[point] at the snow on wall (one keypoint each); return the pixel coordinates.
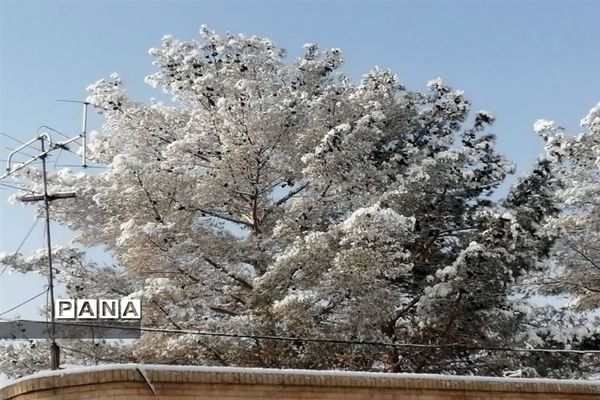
(74, 369)
(140, 381)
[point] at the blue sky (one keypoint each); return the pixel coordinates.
(520, 60)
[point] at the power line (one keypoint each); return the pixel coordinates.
(329, 341)
(22, 242)
(58, 157)
(5, 160)
(18, 151)
(80, 166)
(17, 187)
(69, 150)
(24, 302)
(90, 355)
(11, 137)
(51, 129)
(14, 254)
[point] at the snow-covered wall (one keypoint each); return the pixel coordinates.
(137, 381)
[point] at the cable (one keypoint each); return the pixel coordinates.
(19, 248)
(18, 151)
(13, 138)
(22, 242)
(23, 303)
(17, 187)
(5, 160)
(327, 341)
(53, 130)
(58, 157)
(90, 355)
(80, 166)
(46, 311)
(70, 151)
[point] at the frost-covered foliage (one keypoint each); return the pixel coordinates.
(280, 198)
(23, 358)
(573, 268)
(19, 358)
(576, 262)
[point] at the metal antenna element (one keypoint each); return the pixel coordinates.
(83, 134)
(11, 168)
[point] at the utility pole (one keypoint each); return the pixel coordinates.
(47, 198)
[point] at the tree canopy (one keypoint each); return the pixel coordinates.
(280, 198)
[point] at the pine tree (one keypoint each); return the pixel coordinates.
(577, 254)
(278, 198)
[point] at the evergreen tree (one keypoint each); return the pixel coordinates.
(279, 198)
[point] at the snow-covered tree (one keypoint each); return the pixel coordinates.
(278, 198)
(573, 268)
(577, 254)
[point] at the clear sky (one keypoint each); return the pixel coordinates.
(520, 60)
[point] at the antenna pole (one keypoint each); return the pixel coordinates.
(47, 198)
(54, 349)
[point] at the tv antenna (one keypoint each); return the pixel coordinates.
(47, 145)
(83, 134)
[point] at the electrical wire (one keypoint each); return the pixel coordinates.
(23, 303)
(13, 138)
(18, 188)
(51, 129)
(58, 157)
(19, 151)
(69, 150)
(81, 166)
(328, 341)
(46, 311)
(22, 242)
(90, 355)
(5, 160)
